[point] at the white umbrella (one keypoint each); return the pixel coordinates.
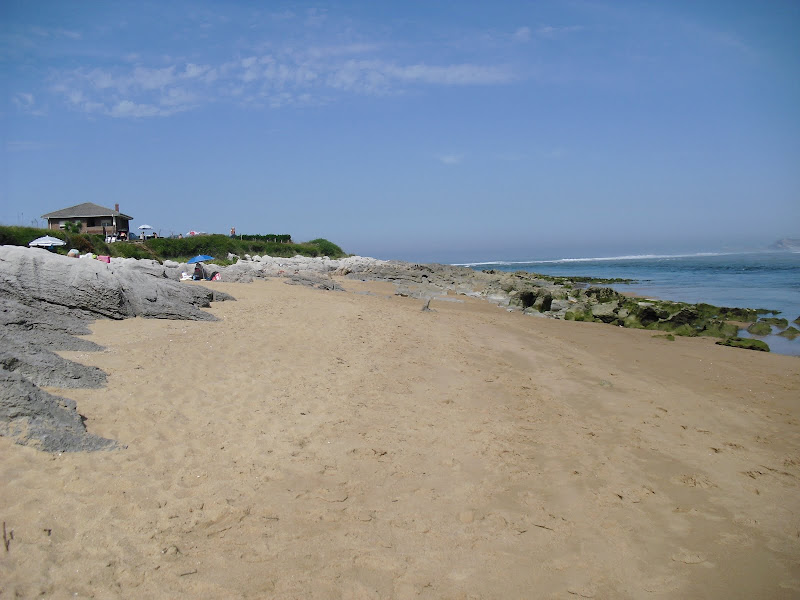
(46, 241)
(145, 227)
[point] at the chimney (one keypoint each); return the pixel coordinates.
(116, 207)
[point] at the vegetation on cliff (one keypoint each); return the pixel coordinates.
(215, 245)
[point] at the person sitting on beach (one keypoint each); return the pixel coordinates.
(199, 275)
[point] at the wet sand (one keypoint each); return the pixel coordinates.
(316, 444)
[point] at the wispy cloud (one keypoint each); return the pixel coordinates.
(284, 15)
(523, 34)
(27, 145)
(56, 33)
(553, 153)
(511, 156)
(450, 159)
(26, 102)
(376, 76)
(722, 39)
(282, 78)
(315, 17)
(126, 108)
(553, 31)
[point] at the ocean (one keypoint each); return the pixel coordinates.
(769, 280)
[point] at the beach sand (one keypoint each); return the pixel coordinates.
(316, 444)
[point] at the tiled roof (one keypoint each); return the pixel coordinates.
(87, 209)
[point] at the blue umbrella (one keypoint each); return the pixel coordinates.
(199, 258)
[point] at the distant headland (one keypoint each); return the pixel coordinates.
(789, 244)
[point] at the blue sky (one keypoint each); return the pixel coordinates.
(442, 131)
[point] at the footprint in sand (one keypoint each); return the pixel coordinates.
(689, 558)
(694, 480)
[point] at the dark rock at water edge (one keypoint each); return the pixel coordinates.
(760, 328)
(790, 333)
(778, 322)
(746, 343)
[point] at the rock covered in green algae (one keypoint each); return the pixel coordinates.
(746, 343)
(760, 328)
(780, 323)
(790, 333)
(572, 299)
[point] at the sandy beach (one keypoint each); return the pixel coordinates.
(326, 444)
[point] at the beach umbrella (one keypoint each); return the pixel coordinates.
(47, 241)
(145, 227)
(199, 258)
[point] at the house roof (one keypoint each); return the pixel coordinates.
(87, 209)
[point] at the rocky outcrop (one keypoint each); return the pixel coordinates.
(790, 333)
(760, 328)
(35, 418)
(45, 301)
(122, 289)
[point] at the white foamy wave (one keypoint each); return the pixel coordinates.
(503, 263)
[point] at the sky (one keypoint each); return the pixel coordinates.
(447, 131)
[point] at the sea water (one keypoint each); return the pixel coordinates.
(768, 280)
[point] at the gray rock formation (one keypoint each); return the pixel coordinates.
(45, 301)
(35, 418)
(125, 288)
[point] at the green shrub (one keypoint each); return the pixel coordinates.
(327, 248)
(12, 235)
(80, 242)
(129, 250)
(73, 227)
(219, 246)
(270, 237)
